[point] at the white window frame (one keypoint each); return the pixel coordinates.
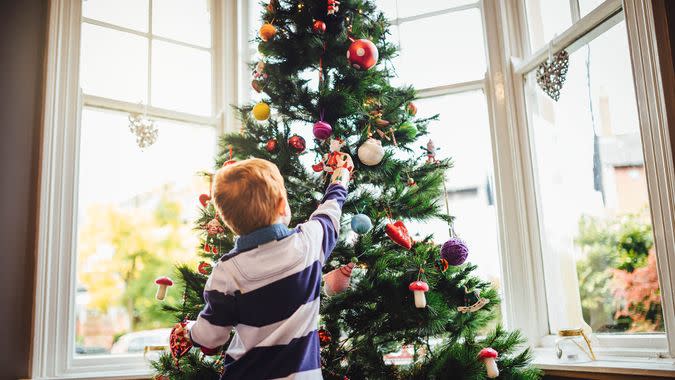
(522, 256)
(53, 354)
(525, 304)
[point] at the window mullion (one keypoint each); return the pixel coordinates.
(163, 113)
(150, 43)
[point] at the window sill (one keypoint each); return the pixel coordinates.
(545, 359)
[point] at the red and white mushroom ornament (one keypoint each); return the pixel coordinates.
(488, 356)
(162, 284)
(419, 288)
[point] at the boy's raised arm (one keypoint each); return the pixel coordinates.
(329, 211)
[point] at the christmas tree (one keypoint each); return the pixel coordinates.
(386, 290)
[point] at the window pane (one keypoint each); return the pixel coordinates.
(181, 78)
(546, 19)
(113, 64)
(586, 6)
(388, 7)
(427, 61)
(463, 134)
(183, 20)
(596, 229)
(407, 8)
(135, 213)
(131, 14)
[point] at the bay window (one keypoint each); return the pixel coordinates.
(567, 206)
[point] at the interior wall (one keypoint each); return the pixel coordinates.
(22, 47)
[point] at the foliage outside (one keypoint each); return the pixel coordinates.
(618, 279)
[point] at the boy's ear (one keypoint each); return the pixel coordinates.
(281, 206)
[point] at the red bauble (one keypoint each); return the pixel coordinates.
(362, 54)
(272, 145)
(319, 27)
(398, 233)
(297, 143)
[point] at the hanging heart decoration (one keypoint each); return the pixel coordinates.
(398, 233)
(204, 199)
(179, 341)
(551, 74)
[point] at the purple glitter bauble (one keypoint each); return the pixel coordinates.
(322, 130)
(455, 251)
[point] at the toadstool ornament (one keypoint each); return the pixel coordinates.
(267, 32)
(419, 288)
(362, 54)
(337, 280)
(261, 111)
(162, 284)
(371, 152)
(488, 356)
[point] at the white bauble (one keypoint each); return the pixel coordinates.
(371, 152)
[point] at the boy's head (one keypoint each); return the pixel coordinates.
(250, 194)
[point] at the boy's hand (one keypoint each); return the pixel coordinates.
(341, 176)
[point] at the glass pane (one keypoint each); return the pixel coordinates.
(183, 20)
(181, 78)
(546, 19)
(388, 7)
(596, 229)
(427, 62)
(407, 8)
(463, 133)
(131, 14)
(113, 64)
(135, 213)
(586, 6)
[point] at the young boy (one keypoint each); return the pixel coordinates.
(267, 288)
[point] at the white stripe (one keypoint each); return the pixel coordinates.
(262, 266)
(302, 322)
(208, 335)
(314, 374)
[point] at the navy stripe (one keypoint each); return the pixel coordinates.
(337, 192)
(301, 354)
(266, 305)
(330, 234)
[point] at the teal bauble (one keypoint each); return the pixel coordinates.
(361, 223)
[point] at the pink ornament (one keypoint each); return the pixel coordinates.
(322, 130)
(362, 54)
(337, 280)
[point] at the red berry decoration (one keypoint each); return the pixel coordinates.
(319, 27)
(204, 268)
(362, 54)
(324, 337)
(272, 145)
(297, 143)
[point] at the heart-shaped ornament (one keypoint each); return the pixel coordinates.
(398, 233)
(551, 74)
(204, 199)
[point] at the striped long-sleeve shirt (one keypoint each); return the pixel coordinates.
(267, 289)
